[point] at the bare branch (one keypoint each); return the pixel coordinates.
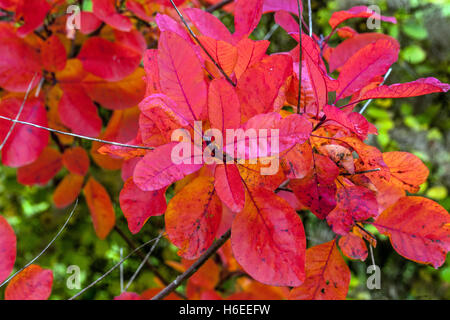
(112, 269)
(143, 262)
(369, 101)
(310, 18)
(193, 268)
(77, 135)
(45, 249)
(201, 45)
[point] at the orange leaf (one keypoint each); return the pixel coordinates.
(193, 217)
(407, 170)
(100, 206)
(76, 160)
(67, 190)
(327, 275)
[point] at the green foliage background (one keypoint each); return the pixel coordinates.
(418, 125)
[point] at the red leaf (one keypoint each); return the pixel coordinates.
(33, 12)
(327, 275)
(268, 240)
(349, 47)
(287, 21)
(89, 22)
(317, 190)
(354, 204)
(105, 10)
(229, 186)
(419, 229)
(259, 86)
(157, 169)
(100, 206)
(76, 160)
(181, 74)
(166, 23)
(108, 60)
(357, 12)
(42, 170)
(19, 63)
(53, 53)
(246, 16)
(371, 61)
(354, 122)
(133, 40)
(128, 296)
(138, 206)
(8, 244)
(208, 24)
(78, 112)
(403, 90)
(33, 283)
(287, 5)
(353, 247)
(25, 143)
(193, 217)
(224, 109)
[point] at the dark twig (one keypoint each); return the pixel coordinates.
(45, 249)
(218, 6)
(361, 172)
(194, 267)
(201, 45)
(300, 58)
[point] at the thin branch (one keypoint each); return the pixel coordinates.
(201, 45)
(310, 18)
(19, 112)
(121, 272)
(194, 267)
(218, 6)
(143, 262)
(112, 269)
(369, 101)
(300, 58)
(45, 249)
(271, 32)
(361, 172)
(77, 135)
(133, 246)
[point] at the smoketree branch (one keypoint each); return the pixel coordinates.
(194, 268)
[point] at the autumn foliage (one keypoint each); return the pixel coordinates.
(139, 61)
